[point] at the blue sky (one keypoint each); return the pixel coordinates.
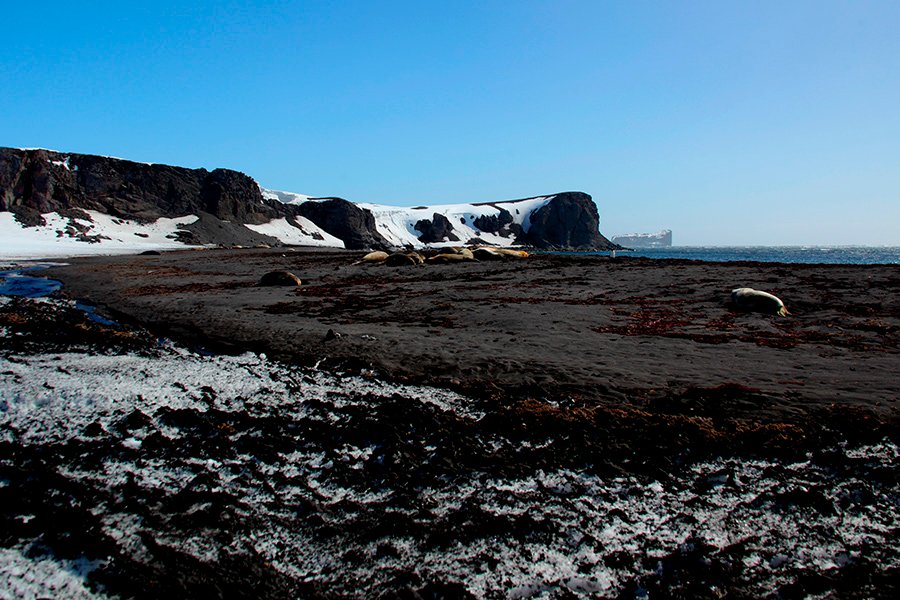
(728, 122)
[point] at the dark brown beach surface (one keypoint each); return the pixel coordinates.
(632, 355)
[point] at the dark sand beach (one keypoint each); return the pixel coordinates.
(600, 428)
(645, 354)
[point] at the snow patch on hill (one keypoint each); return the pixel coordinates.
(397, 223)
(284, 197)
(106, 234)
(307, 234)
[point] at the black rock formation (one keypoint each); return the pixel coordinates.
(344, 220)
(36, 182)
(33, 182)
(494, 223)
(568, 221)
(437, 229)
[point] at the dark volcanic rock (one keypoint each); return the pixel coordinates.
(438, 229)
(494, 223)
(36, 182)
(344, 220)
(568, 220)
(232, 195)
(33, 182)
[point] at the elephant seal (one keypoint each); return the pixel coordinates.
(373, 257)
(487, 254)
(757, 301)
(283, 278)
(448, 258)
(399, 259)
(511, 253)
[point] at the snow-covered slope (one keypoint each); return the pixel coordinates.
(102, 235)
(398, 224)
(285, 197)
(304, 233)
(65, 204)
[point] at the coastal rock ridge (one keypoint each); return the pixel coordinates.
(58, 198)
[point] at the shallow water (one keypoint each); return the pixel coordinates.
(22, 282)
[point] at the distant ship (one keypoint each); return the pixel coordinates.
(663, 239)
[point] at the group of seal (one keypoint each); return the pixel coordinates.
(756, 301)
(444, 255)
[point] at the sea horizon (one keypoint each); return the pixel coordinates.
(799, 254)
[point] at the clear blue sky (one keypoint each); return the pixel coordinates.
(728, 122)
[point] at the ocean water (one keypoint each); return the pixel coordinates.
(849, 255)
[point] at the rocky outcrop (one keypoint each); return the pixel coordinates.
(344, 220)
(568, 221)
(436, 229)
(494, 223)
(36, 182)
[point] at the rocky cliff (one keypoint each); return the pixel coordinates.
(568, 221)
(228, 207)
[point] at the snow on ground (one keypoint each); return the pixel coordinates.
(112, 235)
(31, 577)
(397, 223)
(115, 236)
(308, 234)
(304, 471)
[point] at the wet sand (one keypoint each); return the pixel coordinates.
(627, 346)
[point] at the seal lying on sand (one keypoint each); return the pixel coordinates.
(451, 254)
(373, 257)
(757, 301)
(275, 278)
(399, 259)
(487, 253)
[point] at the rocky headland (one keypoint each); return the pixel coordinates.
(230, 209)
